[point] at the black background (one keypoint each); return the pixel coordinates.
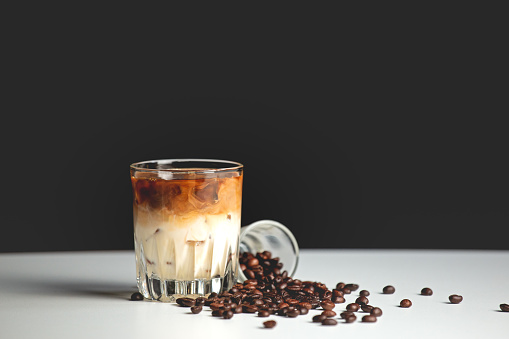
(354, 134)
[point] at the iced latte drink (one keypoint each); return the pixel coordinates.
(186, 226)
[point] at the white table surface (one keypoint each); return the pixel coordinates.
(85, 295)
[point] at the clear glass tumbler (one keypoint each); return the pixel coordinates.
(186, 226)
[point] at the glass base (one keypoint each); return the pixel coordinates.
(170, 290)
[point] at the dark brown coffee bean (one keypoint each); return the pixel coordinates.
(455, 299)
(405, 303)
(353, 307)
(504, 307)
(366, 308)
(303, 311)
(196, 309)
(426, 291)
(269, 324)
(200, 301)
(346, 291)
(340, 285)
(362, 300)
(352, 287)
(249, 309)
(249, 274)
(329, 313)
(305, 305)
(364, 293)
(217, 313)
(369, 319)
(345, 314)
(329, 322)
(319, 318)
(188, 302)
(293, 313)
(338, 300)
(228, 314)
(253, 262)
(237, 309)
(136, 296)
(263, 313)
(376, 311)
(327, 305)
(216, 306)
(389, 289)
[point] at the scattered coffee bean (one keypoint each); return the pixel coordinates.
(187, 302)
(269, 324)
(228, 314)
(338, 299)
(200, 301)
(282, 311)
(136, 296)
(329, 313)
(196, 309)
(362, 300)
(329, 322)
(303, 311)
(340, 285)
(249, 309)
(293, 313)
(327, 305)
(455, 299)
(376, 311)
(369, 319)
(504, 307)
(353, 307)
(263, 313)
(238, 309)
(389, 289)
(352, 287)
(405, 303)
(319, 318)
(351, 318)
(217, 313)
(426, 291)
(366, 308)
(346, 290)
(345, 314)
(364, 293)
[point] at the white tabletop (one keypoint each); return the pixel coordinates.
(85, 295)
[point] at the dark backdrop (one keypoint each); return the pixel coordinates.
(382, 138)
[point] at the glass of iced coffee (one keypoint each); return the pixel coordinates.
(186, 226)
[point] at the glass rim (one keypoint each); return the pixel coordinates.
(234, 166)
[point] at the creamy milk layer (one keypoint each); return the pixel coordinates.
(186, 229)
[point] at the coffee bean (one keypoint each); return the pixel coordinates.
(269, 324)
(353, 307)
(362, 300)
(217, 313)
(455, 299)
(405, 303)
(196, 309)
(249, 274)
(293, 313)
(346, 290)
(366, 308)
(338, 300)
(364, 293)
(329, 322)
(319, 318)
(351, 318)
(238, 309)
(352, 287)
(376, 311)
(426, 291)
(187, 302)
(346, 314)
(327, 305)
(340, 285)
(228, 314)
(305, 305)
(389, 289)
(369, 319)
(216, 306)
(249, 309)
(200, 301)
(303, 311)
(136, 296)
(263, 313)
(504, 307)
(329, 313)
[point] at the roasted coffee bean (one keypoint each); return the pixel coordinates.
(257, 302)
(327, 305)
(405, 303)
(329, 322)
(329, 313)
(376, 311)
(249, 309)
(369, 319)
(237, 309)
(269, 324)
(303, 310)
(337, 293)
(249, 274)
(389, 289)
(426, 291)
(351, 318)
(504, 307)
(196, 309)
(217, 313)
(346, 291)
(364, 293)
(305, 305)
(352, 287)
(319, 318)
(188, 302)
(228, 314)
(362, 300)
(338, 300)
(340, 285)
(136, 296)
(263, 313)
(200, 301)
(353, 307)
(216, 306)
(455, 299)
(292, 313)
(212, 295)
(366, 308)
(345, 314)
